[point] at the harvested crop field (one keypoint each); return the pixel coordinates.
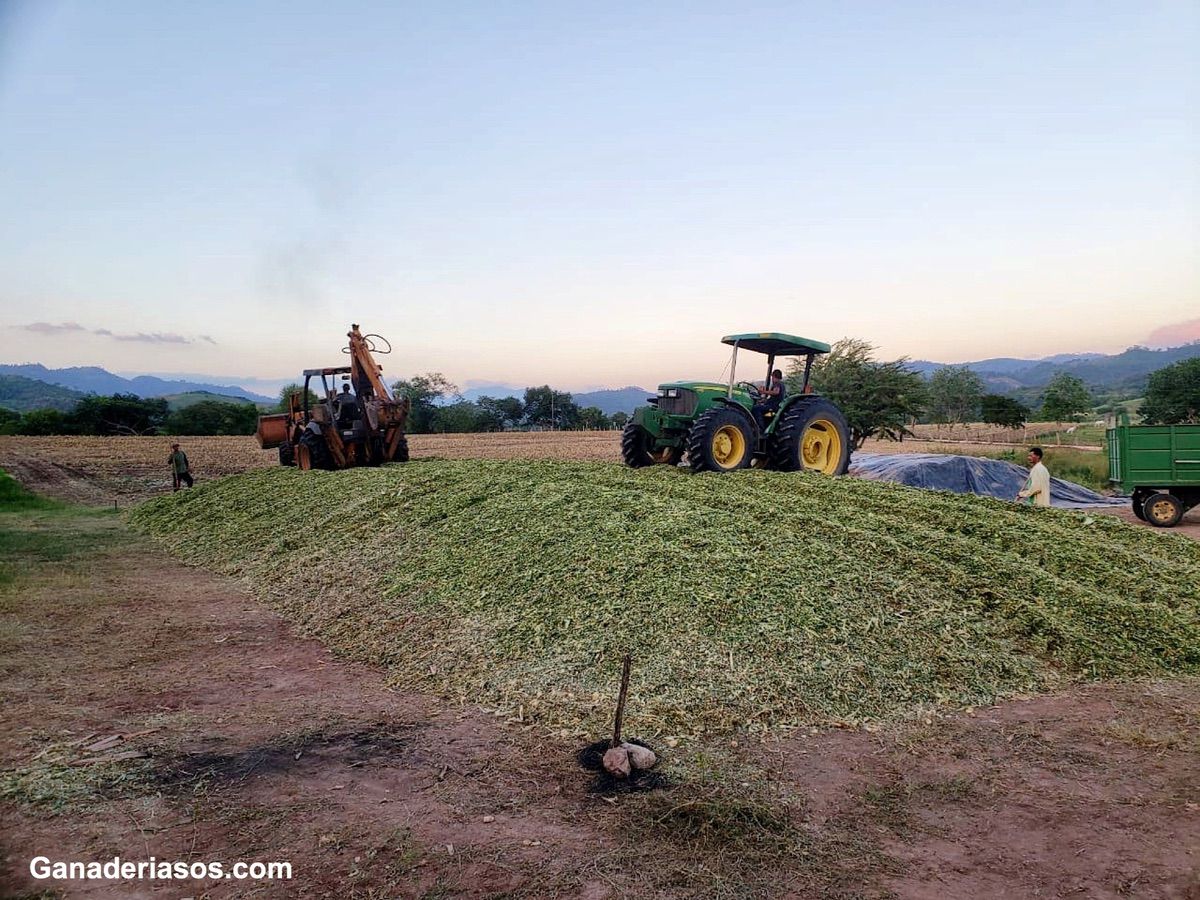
(753, 603)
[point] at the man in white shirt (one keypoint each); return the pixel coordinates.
(1037, 486)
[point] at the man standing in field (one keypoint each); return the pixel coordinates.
(1037, 486)
(180, 471)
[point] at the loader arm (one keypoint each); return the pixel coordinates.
(362, 360)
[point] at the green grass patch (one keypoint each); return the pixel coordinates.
(754, 601)
(14, 497)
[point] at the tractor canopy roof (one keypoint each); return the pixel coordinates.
(775, 344)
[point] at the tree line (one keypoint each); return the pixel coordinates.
(884, 399)
(129, 414)
(879, 398)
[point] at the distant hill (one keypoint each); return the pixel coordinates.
(190, 398)
(94, 380)
(23, 394)
(1122, 372)
(615, 400)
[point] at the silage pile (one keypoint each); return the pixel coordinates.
(756, 600)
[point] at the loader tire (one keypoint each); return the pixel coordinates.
(401, 451)
(638, 451)
(812, 434)
(318, 450)
(287, 454)
(720, 440)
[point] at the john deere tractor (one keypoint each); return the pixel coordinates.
(716, 425)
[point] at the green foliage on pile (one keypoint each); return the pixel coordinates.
(756, 600)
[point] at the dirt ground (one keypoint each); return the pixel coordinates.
(248, 742)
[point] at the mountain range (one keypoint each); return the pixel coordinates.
(1124, 372)
(94, 380)
(29, 386)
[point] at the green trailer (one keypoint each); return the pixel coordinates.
(1159, 466)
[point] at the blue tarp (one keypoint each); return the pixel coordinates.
(969, 475)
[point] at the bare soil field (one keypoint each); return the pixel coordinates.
(237, 740)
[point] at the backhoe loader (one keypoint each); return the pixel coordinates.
(323, 429)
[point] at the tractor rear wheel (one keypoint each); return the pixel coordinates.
(720, 440)
(1162, 510)
(638, 450)
(812, 434)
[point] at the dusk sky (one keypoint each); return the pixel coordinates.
(592, 194)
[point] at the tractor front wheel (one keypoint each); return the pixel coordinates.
(317, 451)
(720, 440)
(811, 434)
(638, 450)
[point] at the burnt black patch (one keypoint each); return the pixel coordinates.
(591, 758)
(294, 754)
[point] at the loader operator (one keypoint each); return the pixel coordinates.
(769, 399)
(347, 406)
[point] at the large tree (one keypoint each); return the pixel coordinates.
(592, 418)
(548, 408)
(288, 391)
(425, 393)
(118, 414)
(1066, 398)
(213, 417)
(1173, 394)
(877, 398)
(996, 409)
(502, 412)
(954, 394)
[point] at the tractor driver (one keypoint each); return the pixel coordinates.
(769, 399)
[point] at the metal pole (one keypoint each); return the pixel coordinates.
(733, 370)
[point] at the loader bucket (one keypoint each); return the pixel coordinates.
(272, 430)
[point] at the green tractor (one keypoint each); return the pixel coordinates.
(720, 428)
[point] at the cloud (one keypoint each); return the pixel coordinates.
(157, 337)
(140, 337)
(48, 328)
(1175, 335)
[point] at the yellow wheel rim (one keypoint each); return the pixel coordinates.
(821, 447)
(728, 446)
(1162, 511)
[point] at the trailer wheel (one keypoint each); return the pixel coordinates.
(1162, 510)
(1139, 498)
